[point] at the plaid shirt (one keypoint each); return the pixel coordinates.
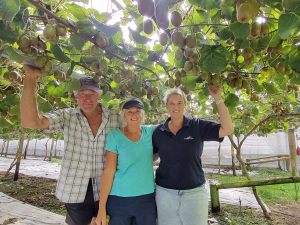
(84, 155)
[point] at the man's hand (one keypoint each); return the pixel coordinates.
(32, 72)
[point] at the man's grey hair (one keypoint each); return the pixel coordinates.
(174, 91)
(123, 120)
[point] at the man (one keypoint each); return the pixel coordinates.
(85, 129)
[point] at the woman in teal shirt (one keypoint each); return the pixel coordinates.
(127, 183)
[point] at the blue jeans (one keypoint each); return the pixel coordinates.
(182, 207)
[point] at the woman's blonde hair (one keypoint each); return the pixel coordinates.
(174, 91)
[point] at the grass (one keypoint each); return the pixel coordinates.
(279, 193)
(58, 161)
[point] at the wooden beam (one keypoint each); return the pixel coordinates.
(270, 160)
(266, 157)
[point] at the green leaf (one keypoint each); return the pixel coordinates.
(270, 88)
(243, 43)
(63, 105)
(73, 85)
(296, 109)
(12, 99)
(180, 63)
(291, 97)
(146, 107)
(294, 60)
(45, 107)
(9, 36)
(15, 54)
(59, 53)
(207, 4)
(77, 41)
(8, 9)
(189, 82)
(128, 51)
(287, 22)
(257, 86)
(16, 110)
(274, 39)
(4, 123)
(203, 95)
(231, 100)
(140, 39)
(40, 99)
(226, 11)
(106, 97)
(214, 58)
(136, 86)
(240, 30)
(246, 119)
(108, 31)
(57, 90)
(225, 34)
(71, 68)
(79, 12)
(200, 17)
(255, 111)
(84, 1)
(3, 107)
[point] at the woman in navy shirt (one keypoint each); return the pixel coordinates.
(181, 196)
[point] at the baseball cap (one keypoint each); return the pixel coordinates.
(88, 83)
(133, 103)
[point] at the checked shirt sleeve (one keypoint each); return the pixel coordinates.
(56, 121)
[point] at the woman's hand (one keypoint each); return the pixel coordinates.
(101, 217)
(215, 92)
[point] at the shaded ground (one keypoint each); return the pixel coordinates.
(39, 192)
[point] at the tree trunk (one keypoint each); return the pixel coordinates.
(35, 147)
(19, 154)
(46, 149)
(26, 148)
(52, 144)
(232, 158)
(6, 148)
(55, 148)
(3, 145)
(293, 152)
(219, 154)
(10, 167)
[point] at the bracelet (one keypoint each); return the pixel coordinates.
(219, 101)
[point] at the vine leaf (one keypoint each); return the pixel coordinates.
(108, 31)
(8, 9)
(287, 22)
(140, 39)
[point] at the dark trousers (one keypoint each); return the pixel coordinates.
(139, 210)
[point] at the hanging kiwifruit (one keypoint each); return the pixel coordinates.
(49, 31)
(176, 19)
(148, 26)
(163, 39)
(162, 62)
(244, 13)
(177, 37)
(178, 54)
(103, 65)
(161, 12)
(131, 60)
(191, 41)
(61, 30)
(146, 7)
(101, 41)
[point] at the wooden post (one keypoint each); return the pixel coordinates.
(232, 158)
(293, 152)
(214, 198)
(219, 154)
(3, 146)
(19, 154)
(35, 147)
(55, 148)
(26, 148)
(6, 148)
(52, 144)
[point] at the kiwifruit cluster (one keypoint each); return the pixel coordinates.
(53, 100)
(102, 41)
(293, 88)
(254, 97)
(212, 79)
(257, 29)
(280, 67)
(238, 83)
(45, 64)
(8, 91)
(53, 31)
(99, 67)
(13, 76)
(59, 75)
(30, 43)
(274, 52)
(127, 73)
(248, 56)
(171, 82)
(246, 10)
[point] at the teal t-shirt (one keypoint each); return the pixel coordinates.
(134, 175)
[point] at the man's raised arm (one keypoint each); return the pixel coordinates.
(30, 117)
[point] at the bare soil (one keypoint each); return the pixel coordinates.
(39, 192)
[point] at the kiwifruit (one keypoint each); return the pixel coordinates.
(48, 66)
(177, 37)
(103, 65)
(49, 31)
(177, 82)
(61, 30)
(254, 7)
(149, 97)
(131, 60)
(238, 83)
(105, 88)
(171, 82)
(58, 75)
(163, 39)
(196, 70)
(64, 76)
(96, 78)
(280, 67)
(23, 41)
(248, 91)
(176, 19)
(161, 62)
(161, 12)
(191, 41)
(264, 29)
(101, 41)
(206, 76)
(188, 53)
(247, 52)
(42, 45)
(1, 97)
(163, 26)
(195, 58)
(215, 79)
(249, 61)
(148, 26)
(273, 55)
(123, 87)
(144, 91)
(6, 75)
(232, 83)
(288, 71)
(154, 91)
(34, 41)
(33, 52)
(178, 54)
(231, 76)
(182, 73)
(255, 29)
(278, 49)
(54, 40)
(3, 114)
(244, 12)
(16, 89)
(188, 66)
(117, 78)
(239, 3)
(182, 44)
(13, 75)
(40, 61)
(185, 90)
(245, 84)
(26, 50)
(94, 51)
(58, 100)
(95, 66)
(129, 74)
(146, 8)
(177, 74)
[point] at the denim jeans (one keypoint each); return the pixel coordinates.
(182, 207)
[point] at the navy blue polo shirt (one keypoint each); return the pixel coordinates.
(180, 165)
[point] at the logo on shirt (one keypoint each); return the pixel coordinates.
(189, 138)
